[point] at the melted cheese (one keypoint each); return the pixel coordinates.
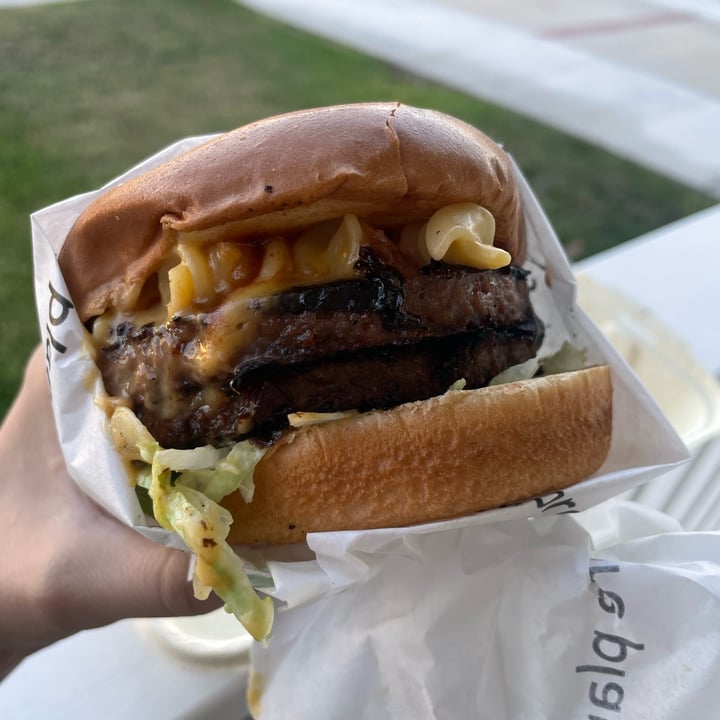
(203, 274)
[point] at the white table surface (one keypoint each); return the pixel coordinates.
(121, 672)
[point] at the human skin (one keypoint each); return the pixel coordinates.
(66, 565)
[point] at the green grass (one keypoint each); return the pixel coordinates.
(89, 88)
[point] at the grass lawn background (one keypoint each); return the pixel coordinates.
(89, 88)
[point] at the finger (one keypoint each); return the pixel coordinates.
(125, 575)
(150, 580)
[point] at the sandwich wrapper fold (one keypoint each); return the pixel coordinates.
(483, 616)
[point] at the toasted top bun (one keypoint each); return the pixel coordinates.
(383, 161)
(441, 458)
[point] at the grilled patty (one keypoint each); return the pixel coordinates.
(373, 342)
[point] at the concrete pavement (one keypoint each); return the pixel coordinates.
(638, 77)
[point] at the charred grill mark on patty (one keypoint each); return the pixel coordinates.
(373, 342)
(381, 291)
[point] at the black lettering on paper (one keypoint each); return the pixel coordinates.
(59, 307)
(555, 501)
(613, 648)
(611, 602)
(54, 342)
(604, 669)
(596, 569)
(611, 697)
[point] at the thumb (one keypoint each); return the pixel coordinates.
(136, 577)
(154, 580)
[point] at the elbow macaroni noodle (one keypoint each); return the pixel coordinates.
(463, 234)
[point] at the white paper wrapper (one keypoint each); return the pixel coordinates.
(509, 621)
(643, 446)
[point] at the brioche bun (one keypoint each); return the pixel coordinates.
(446, 457)
(384, 161)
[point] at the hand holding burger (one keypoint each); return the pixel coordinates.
(54, 580)
(301, 320)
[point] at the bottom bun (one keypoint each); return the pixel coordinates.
(445, 457)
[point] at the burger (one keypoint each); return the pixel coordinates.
(303, 325)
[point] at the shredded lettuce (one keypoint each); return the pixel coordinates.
(566, 359)
(522, 371)
(185, 487)
(214, 472)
